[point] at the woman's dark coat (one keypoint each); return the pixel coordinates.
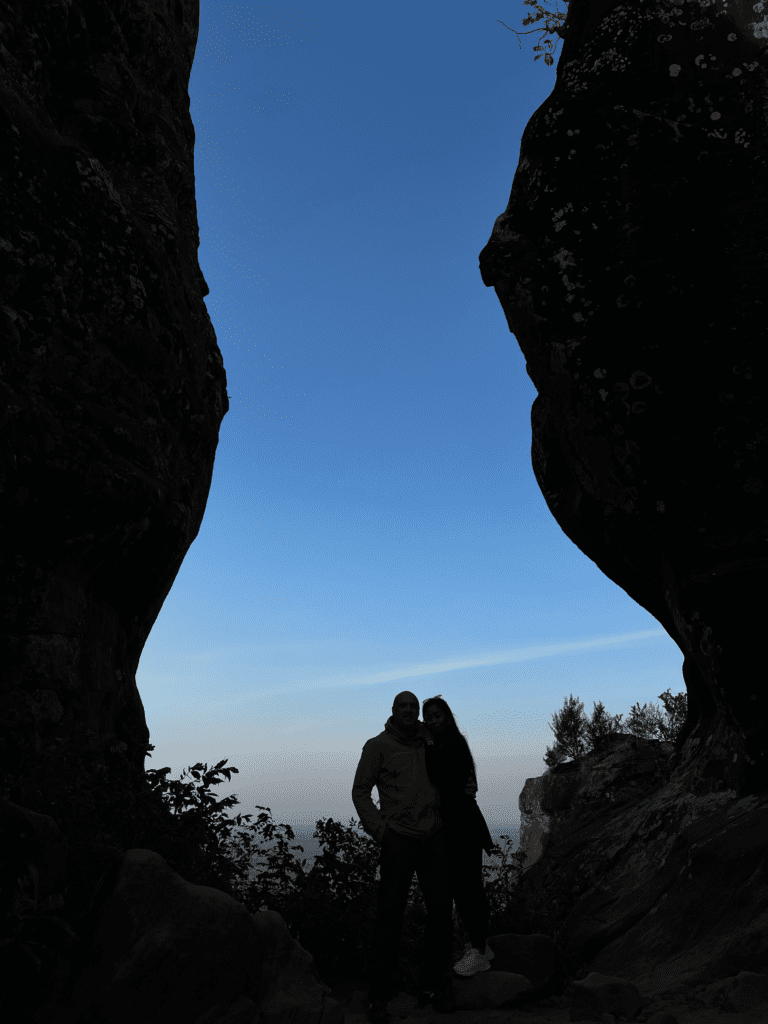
(449, 765)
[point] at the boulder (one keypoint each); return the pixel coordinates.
(596, 994)
(490, 990)
(657, 885)
(241, 1011)
(630, 264)
(290, 987)
(162, 950)
(38, 941)
(533, 957)
(622, 765)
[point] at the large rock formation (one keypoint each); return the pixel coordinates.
(112, 391)
(631, 265)
(112, 386)
(571, 783)
(662, 887)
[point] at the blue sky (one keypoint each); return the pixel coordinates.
(373, 523)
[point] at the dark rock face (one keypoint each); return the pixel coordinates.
(662, 886)
(631, 264)
(258, 973)
(112, 386)
(112, 391)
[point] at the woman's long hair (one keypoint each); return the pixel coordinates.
(451, 733)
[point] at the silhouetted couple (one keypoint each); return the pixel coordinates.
(429, 823)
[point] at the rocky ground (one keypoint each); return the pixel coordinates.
(353, 997)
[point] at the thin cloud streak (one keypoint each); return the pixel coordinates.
(451, 665)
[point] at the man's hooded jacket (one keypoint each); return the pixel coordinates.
(420, 783)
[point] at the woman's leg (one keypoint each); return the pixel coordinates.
(468, 891)
(433, 872)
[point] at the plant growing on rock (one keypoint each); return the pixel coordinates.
(576, 735)
(554, 26)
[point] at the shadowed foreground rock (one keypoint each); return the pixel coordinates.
(209, 961)
(662, 887)
(631, 264)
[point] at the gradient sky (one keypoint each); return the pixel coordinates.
(373, 523)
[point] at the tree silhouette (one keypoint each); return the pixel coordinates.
(576, 735)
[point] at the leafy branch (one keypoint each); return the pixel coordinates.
(554, 26)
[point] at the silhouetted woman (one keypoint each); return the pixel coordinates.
(449, 766)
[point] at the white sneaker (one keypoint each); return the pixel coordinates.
(488, 954)
(472, 962)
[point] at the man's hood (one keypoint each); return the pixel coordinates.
(415, 740)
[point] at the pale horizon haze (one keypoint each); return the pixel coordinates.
(373, 523)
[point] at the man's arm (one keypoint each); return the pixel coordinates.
(366, 778)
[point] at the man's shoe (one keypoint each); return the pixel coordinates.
(436, 997)
(487, 953)
(377, 1012)
(425, 996)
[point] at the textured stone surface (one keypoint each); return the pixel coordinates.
(532, 956)
(631, 264)
(112, 390)
(290, 987)
(603, 998)
(661, 886)
(620, 756)
(112, 387)
(164, 950)
(620, 769)
(534, 822)
(169, 952)
(155, 947)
